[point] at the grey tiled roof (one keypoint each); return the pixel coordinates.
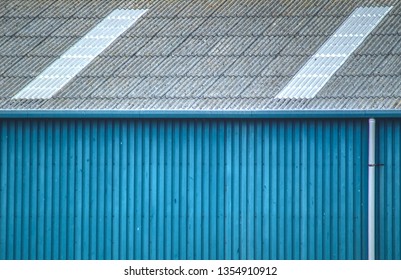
(198, 55)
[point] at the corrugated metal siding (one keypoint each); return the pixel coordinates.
(388, 191)
(183, 189)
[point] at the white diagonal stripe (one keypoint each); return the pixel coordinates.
(75, 59)
(333, 53)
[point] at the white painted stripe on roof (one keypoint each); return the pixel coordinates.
(333, 53)
(75, 59)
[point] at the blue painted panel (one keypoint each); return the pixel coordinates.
(191, 189)
(388, 193)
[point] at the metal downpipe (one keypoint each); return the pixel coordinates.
(371, 189)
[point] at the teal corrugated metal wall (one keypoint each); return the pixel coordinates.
(388, 193)
(183, 189)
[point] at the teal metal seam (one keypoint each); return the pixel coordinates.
(115, 114)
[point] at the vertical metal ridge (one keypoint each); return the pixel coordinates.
(322, 161)
(396, 216)
(258, 211)
(388, 231)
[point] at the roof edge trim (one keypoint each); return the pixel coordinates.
(175, 114)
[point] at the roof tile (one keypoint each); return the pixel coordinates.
(29, 67)
(20, 46)
(10, 26)
(196, 46)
